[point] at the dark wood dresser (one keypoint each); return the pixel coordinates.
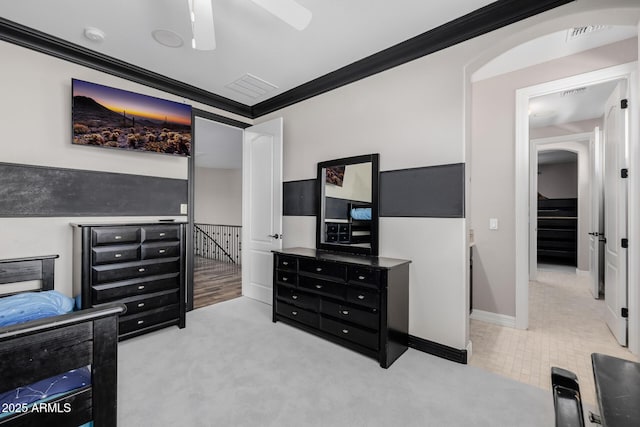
(139, 265)
(359, 302)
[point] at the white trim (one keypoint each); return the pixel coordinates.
(469, 350)
(585, 273)
(522, 161)
(495, 318)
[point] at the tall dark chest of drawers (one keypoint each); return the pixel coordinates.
(139, 265)
(358, 302)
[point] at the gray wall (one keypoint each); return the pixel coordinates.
(558, 180)
(218, 196)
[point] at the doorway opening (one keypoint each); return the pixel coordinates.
(217, 210)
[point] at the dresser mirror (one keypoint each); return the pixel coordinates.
(347, 218)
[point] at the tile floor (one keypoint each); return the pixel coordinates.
(566, 325)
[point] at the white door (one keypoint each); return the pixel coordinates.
(596, 226)
(615, 212)
(261, 207)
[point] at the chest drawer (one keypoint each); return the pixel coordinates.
(160, 250)
(146, 302)
(286, 263)
(303, 316)
(287, 278)
(115, 253)
(359, 315)
(363, 276)
(349, 332)
(297, 298)
(160, 232)
(111, 235)
(322, 268)
(361, 296)
(148, 318)
(322, 287)
(112, 291)
(129, 270)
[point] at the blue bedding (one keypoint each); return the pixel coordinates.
(27, 306)
(22, 308)
(361, 214)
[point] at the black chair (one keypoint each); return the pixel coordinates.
(566, 398)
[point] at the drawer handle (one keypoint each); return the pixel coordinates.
(361, 277)
(284, 279)
(345, 312)
(141, 304)
(140, 322)
(294, 296)
(141, 270)
(285, 263)
(117, 255)
(295, 313)
(163, 234)
(161, 251)
(345, 331)
(141, 287)
(318, 286)
(360, 296)
(318, 268)
(117, 237)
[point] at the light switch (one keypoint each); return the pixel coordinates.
(183, 208)
(493, 223)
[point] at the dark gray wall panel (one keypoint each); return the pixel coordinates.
(53, 192)
(434, 192)
(299, 198)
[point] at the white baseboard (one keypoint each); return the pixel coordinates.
(498, 319)
(582, 272)
(469, 350)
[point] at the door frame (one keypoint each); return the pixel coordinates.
(536, 146)
(522, 164)
(191, 185)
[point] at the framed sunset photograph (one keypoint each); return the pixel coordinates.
(114, 118)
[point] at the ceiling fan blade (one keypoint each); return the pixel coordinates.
(289, 11)
(204, 36)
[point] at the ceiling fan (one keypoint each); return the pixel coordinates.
(201, 12)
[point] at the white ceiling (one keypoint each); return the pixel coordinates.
(249, 39)
(218, 146)
(584, 103)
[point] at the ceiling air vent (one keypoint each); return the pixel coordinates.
(577, 32)
(576, 91)
(251, 86)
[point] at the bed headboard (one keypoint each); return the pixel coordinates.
(26, 269)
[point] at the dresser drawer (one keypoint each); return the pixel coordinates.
(129, 270)
(160, 232)
(287, 278)
(322, 287)
(160, 250)
(286, 263)
(349, 332)
(363, 276)
(111, 235)
(127, 288)
(298, 314)
(322, 268)
(297, 298)
(115, 253)
(147, 302)
(361, 296)
(148, 318)
(368, 317)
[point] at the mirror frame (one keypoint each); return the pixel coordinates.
(375, 176)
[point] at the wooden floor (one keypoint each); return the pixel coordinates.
(215, 281)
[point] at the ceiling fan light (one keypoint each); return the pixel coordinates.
(289, 11)
(201, 13)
